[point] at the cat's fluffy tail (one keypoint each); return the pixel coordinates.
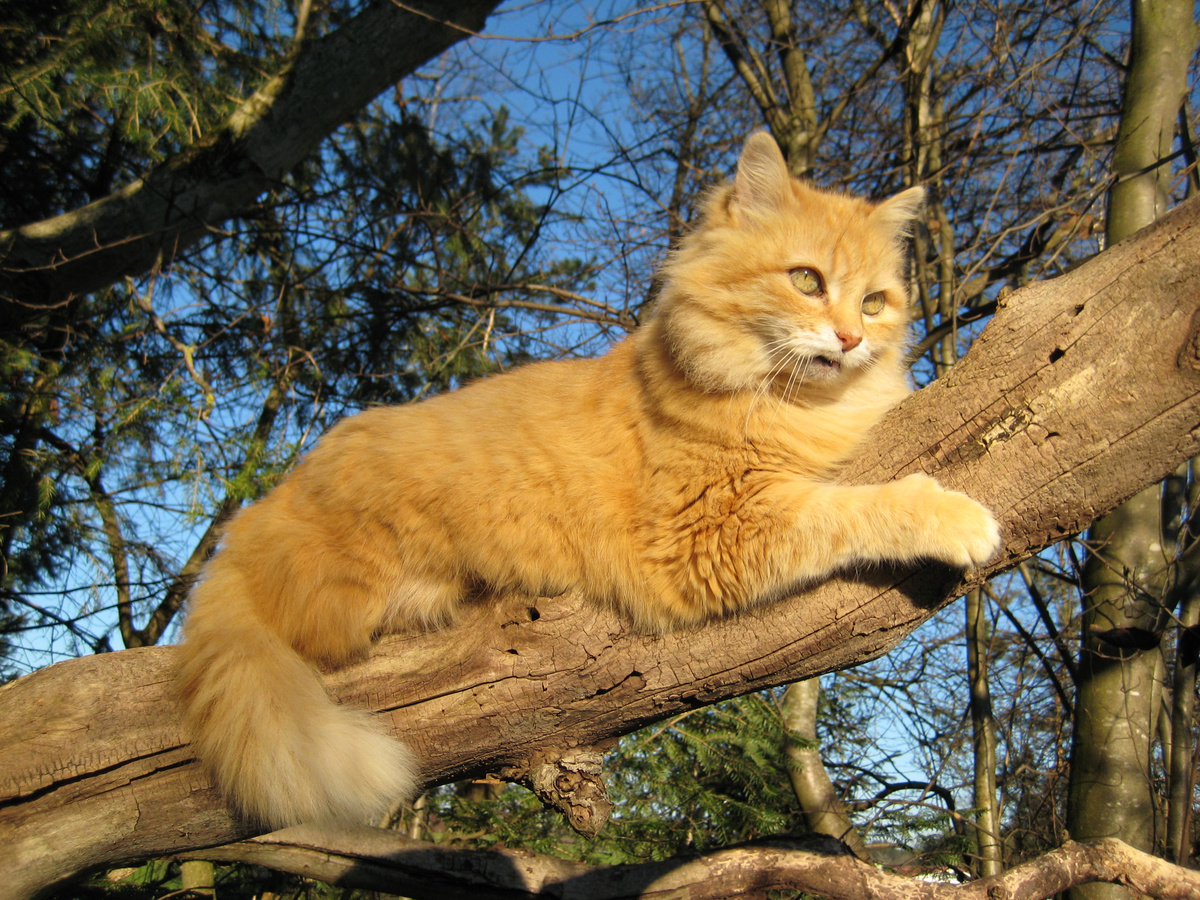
(279, 747)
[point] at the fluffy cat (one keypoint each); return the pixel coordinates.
(681, 477)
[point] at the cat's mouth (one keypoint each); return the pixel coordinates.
(827, 364)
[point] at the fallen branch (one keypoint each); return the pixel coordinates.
(372, 859)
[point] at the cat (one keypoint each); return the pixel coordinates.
(683, 476)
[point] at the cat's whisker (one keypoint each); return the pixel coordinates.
(802, 375)
(794, 382)
(764, 385)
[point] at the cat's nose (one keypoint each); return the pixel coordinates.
(849, 340)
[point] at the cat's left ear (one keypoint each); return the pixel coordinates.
(896, 214)
(762, 185)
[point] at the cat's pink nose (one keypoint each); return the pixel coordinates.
(849, 341)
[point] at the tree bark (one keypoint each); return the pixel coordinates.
(45, 265)
(198, 878)
(1079, 393)
(1126, 578)
(385, 861)
(986, 813)
(824, 812)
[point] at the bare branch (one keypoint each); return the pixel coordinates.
(373, 859)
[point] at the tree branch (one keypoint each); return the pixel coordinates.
(747, 63)
(373, 859)
(45, 265)
(1080, 392)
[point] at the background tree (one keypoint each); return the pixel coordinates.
(1133, 565)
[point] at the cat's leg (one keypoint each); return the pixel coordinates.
(335, 620)
(906, 520)
(734, 548)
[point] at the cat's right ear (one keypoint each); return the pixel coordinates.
(897, 214)
(762, 185)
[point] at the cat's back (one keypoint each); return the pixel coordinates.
(554, 420)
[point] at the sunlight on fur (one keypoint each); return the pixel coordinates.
(681, 477)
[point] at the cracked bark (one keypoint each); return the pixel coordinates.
(1058, 414)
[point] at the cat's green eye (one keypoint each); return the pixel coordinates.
(806, 280)
(872, 304)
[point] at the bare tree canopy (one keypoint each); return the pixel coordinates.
(96, 772)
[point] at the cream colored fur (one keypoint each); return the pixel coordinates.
(683, 476)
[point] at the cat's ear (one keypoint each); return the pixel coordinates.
(762, 184)
(896, 214)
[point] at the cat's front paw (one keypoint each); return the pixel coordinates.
(958, 530)
(973, 533)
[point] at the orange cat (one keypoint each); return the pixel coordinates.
(681, 477)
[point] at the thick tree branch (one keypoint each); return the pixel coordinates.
(372, 859)
(45, 265)
(1080, 392)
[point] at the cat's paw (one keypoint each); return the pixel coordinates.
(957, 530)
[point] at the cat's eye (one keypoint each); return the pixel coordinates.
(806, 280)
(872, 304)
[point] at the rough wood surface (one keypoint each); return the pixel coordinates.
(1081, 391)
(371, 859)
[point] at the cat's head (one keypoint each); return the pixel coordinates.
(786, 286)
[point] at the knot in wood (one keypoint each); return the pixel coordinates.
(574, 785)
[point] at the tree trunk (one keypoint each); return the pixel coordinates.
(1126, 574)
(1111, 792)
(824, 812)
(94, 770)
(197, 877)
(983, 729)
